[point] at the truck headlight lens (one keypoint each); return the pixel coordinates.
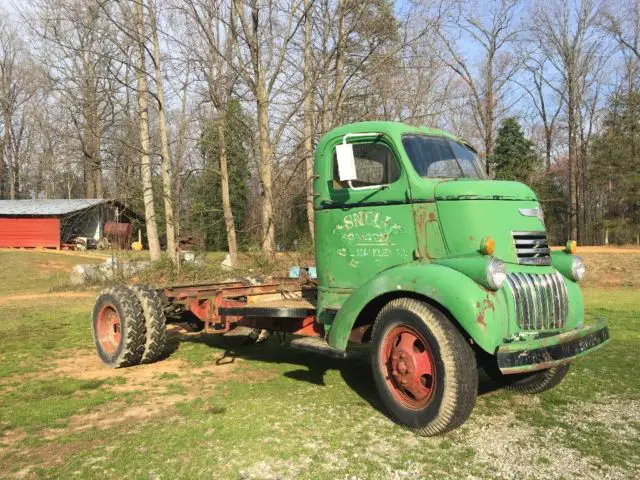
(577, 269)
(496, 274)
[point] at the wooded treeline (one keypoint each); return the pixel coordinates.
(202, 115)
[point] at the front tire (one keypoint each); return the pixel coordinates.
(531, 383)
(118, 327)
(424, 369)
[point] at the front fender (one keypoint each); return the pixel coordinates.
(480, 312)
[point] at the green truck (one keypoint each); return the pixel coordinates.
(439, 269)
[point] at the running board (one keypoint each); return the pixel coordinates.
(318, 345)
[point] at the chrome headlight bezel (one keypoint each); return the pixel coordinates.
(496, 274)
(578, 268)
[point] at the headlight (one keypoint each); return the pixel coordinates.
(577, 268)
(496, 274)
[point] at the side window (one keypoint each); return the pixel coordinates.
(375, 165)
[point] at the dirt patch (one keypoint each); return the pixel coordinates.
(87, 366)
(11, 437)
(41, 296)
(116, 413)
(153, 382)
(611, 270)
(47, 455)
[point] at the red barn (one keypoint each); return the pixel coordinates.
(53, 223)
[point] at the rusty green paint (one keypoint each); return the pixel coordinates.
(422, 236)
(451, 289)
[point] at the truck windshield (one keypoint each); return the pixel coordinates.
(440, 157)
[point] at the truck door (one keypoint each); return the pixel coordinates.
(365, 225)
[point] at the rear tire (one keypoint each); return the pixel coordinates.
(155, 323)
(118, 327)
(531, 383)
(423, 367)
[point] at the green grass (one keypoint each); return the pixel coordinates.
(36, 331)
(270, 412)
(36, 271)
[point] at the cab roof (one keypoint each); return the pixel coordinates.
(391, 129)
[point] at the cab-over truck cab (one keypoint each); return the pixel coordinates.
(441, 269)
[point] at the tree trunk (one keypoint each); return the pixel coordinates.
(7, 156)
(92, 168)
(15, 179)
(489, 115)
(573, 150)
(172, 250)
(548, 146)
(1, 170)
(226, 199)
(268, 228)
(179, 157)
(145, 162)
(340, 48)
(308, 118)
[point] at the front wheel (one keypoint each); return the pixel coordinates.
(424, 369)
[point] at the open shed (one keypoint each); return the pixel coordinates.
(54, 223)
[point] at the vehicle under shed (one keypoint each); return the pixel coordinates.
(61, 223)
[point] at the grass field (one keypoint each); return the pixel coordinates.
(269, 412)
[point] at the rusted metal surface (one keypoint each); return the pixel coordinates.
(109, 329)
(486, 304)
(358, 334)
(521, 357)
(223, 306)
(409, 366)
(306, 326)
(229, 289)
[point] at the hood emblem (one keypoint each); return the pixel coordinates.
(532, 212)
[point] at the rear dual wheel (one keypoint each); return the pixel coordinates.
(423, 367)
(128, 326)
(154, 321)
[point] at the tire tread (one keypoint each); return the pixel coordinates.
(461, 381)
(155, 323)
(133, 326)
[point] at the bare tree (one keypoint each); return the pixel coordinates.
(213, 56)
(547, 99)
(79, 60)
(308, 111)
(264, 37)
(492, 31)
(143, 112)
(571, 41)
(172, 250)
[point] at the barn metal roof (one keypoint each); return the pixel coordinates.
(47, 207)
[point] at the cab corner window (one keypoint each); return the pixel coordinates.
(375, 165)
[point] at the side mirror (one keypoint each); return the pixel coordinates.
(346, 162)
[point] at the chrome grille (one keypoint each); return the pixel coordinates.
(540, 299)
(532, 248)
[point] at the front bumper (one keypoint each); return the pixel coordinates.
(540, 354)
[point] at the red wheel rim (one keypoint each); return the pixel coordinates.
(108, 329)
(408, 366)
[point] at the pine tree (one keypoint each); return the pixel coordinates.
(513, 156)
(207, 206)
